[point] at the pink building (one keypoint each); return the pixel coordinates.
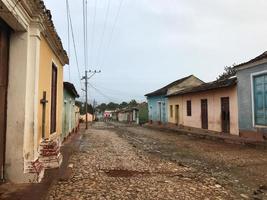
(211, 106)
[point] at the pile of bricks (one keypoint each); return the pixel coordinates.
(50, 154)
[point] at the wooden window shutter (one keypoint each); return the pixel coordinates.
(189, 108)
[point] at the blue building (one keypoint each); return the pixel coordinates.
(252, 97)
(158, 102)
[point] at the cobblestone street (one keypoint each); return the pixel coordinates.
(117, 162)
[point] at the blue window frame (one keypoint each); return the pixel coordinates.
(260, 99)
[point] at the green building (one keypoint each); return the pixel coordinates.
(71, 112)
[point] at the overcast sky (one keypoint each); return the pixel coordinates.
(156, 42)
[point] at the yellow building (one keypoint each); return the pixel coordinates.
(30, 125)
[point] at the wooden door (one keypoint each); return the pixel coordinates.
(225, 112)
(4, 54)
(159, 111)
(177, 114)
(204, 113)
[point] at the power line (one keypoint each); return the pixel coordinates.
(85, 33)
(93, 33)
(112, 31)
(102, 94)
(74, 44)
(68, 22)
(103, 32)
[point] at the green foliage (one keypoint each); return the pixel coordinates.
(81, 105)
(132, 104)
(143, 113)
(229, 71)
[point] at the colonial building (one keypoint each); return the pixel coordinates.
(130, 115)
(71, 112)
(252, 97)
(210, 106)
(157, 100)
(31, 91)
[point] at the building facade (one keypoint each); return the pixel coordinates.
(130, 115)
(158, 102)
(32, 60)
(210, 106)
(252, 97)
(70, 111)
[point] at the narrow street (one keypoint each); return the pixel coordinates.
(116, 161)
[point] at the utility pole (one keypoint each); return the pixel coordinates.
(86, 78)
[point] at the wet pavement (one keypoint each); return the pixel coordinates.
(120, 161)
(123, 162)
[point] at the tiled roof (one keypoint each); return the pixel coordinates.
(164, 90)
(258, 58)
(207, 86)
(49, 25)
(71, 88)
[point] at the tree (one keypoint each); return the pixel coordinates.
(123, 104)
(81, 105)
(112, 106)
(229, 71)
(133, 103)
(102, 107)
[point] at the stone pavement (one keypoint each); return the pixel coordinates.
(10, 191)
(108, 167)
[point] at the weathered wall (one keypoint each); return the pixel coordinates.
(245, 97)
(47, 58)
(191, 81)
(153, 108)
(69, 114)
(16, 109)
(214, 109)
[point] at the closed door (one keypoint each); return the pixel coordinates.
(177, 114)
(159, 111)
(4, 49)
(225, 112)
(204, 113)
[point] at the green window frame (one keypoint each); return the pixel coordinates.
(260, 99)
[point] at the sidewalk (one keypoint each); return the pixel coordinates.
(203, 134)
(38, 191)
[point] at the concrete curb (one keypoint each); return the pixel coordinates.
(213, 137)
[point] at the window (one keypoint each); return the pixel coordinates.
(260, 99)
(189, 108)
(53, 119)
(171, 110)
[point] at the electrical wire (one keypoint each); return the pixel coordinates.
(103, 32)
(68, 24)
(102, 94)
(112, 32)
(74, 44)
(93, 33)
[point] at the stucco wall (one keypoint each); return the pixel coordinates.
(16, 109)
(214, 109)
(191, 81)
(69, 114)
(153, 108)
(245, 96)
(47, 58)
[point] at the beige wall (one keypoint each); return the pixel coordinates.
(214, 109)
(191, 81)
(47, 58)
(89, 117)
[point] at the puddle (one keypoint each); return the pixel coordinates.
(124, 173)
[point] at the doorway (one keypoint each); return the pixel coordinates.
(159, 111)
(4, 57)
(225, 112)
(177, 114)
(204, 113)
